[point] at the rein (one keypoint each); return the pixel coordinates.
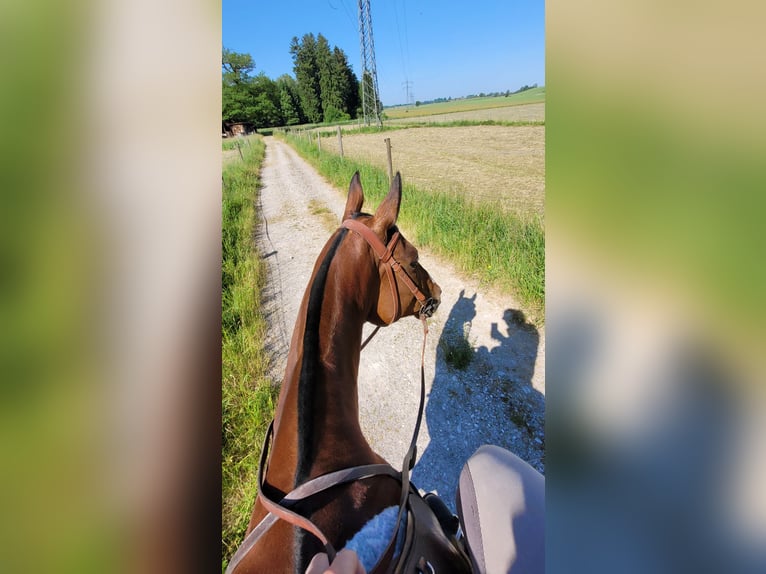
(281, 510)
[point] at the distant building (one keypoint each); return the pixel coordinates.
(231, 129)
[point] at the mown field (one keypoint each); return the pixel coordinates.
(529, 113)
(533, 96)
(500, 165)
(532, 113)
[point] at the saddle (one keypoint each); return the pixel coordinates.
(428, 547)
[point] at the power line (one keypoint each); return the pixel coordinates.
(406, 36)
(407, 85)
(399, 37)
(346, 10)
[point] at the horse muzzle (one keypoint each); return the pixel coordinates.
(429, 307)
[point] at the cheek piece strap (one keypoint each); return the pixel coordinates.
(393, 268)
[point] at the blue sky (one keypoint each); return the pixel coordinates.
(444, 47)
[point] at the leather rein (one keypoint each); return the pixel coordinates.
(281, 510)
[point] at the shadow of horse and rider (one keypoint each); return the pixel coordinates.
(484, 396)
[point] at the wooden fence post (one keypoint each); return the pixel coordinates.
(319, 141)
(390, 165)
(340, 142)
(240, 152)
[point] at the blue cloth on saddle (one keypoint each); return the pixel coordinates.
(371, 541)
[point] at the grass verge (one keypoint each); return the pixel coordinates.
(502, 249)
(248, 395)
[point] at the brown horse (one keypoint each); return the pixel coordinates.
(316, 424)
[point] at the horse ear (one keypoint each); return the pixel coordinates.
(355, 197)
(388, 211)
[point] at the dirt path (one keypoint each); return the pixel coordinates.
(497, 399)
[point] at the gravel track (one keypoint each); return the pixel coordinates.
(497, 399)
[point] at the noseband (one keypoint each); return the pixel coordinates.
(386, 255)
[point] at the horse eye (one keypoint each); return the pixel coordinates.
(414, 264)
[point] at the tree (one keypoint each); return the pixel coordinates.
(327, 86)
(307, 76)
(236, 67)
(348, 84)
(367, 79)
(329, 80)
(289, 101)
(246, 98)
(267, 110)
(237, 103)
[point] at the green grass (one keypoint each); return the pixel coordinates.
(248, 395)
(403, 126)
(244, 142)
(532, 96)
(465, 123)
(504, 250)
(231, 143)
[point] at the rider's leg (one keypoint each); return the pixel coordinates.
(501, 503)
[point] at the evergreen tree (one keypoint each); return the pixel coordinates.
(330, 80)
(290, 101)
(327, 86)
(367, 79)
(307, 76)
(348, 84)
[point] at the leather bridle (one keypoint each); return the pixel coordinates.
(393, 268)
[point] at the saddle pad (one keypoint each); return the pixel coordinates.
(371, 541)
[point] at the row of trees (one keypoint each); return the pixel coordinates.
(324, 88)
(506, 93)
(328, 88)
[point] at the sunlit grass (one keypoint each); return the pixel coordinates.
(247, 393)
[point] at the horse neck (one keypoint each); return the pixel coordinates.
(318, 408)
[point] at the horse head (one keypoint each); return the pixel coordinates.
(405, 287)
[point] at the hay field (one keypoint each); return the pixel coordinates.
(498, 164)
(532, 96)
(525, 113)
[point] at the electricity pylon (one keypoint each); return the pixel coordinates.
(370, 92)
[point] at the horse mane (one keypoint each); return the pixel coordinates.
(310, 363)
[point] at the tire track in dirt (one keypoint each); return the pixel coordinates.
(497, 399)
